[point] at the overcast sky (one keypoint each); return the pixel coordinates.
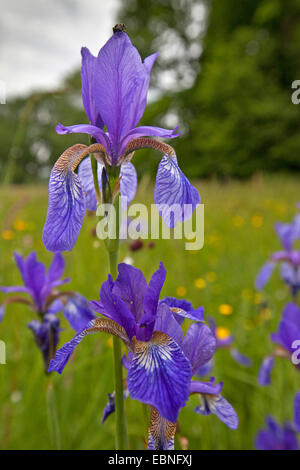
(40, 40)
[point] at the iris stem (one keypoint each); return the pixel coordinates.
(94, 165)
(121, 425)
(53, 416)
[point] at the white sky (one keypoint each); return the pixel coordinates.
(40, 40)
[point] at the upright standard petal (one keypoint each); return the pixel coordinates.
(66, 202)
(116, 308)
(199, 345)
(131, 286)
(160, 375)
(174, 196)
(87, 80)
(166, 323)
(120, 91)
(150, 303)
(56, 268)
(161, 432)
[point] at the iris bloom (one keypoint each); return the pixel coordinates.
(288, 332)
(46, 301)
(160, 363)
(223, 340)
(297, 411)
(275, 437)
(114, 93)
(288, 258)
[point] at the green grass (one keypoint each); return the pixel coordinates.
(234, 250)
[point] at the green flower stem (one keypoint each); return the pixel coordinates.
(121, 425)
(53, 416)
(94, 166)
(112, 247)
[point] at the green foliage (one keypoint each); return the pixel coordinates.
(239, 236)
(224, 75)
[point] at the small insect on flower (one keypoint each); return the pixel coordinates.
(114, 94)
(46, 301)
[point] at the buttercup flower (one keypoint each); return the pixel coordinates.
(275, 437)
(114, 93)
(46, 301)
(288, 332)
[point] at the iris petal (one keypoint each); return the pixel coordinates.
(264, 275)
(264, 376)
(174, 196)
(166, 323)
(297, 411)
(116, 308)
(131, 286)
(199, 345)
(66, 202)
(87, 80)
(94, 326)
(219, 406)
(78, 312)
(86, 177)
(128, 183)
(161, 432)
(159, 375)
(148, 131)
(56, 268)
(89, 129)
(121, 86)
(150, 303)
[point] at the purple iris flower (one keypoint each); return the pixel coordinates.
(114, 93)
(276, 437)
(110, 406)
(297, 411)
(223, 342)
(160, 362)
(288, 332)
(289, 259)
(46, 301)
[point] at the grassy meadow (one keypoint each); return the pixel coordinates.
(239, 236)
